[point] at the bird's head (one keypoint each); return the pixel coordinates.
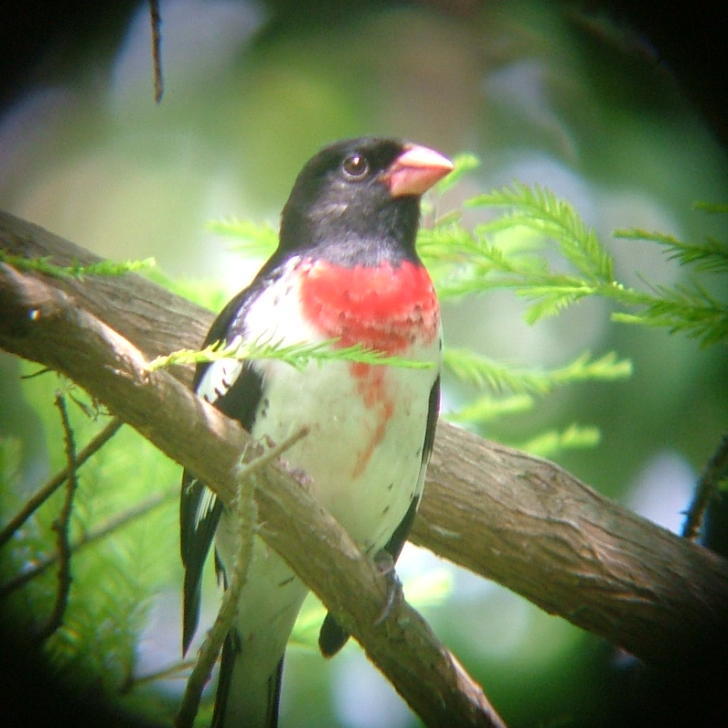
(360, 198)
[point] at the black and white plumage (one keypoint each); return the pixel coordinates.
(345, 268)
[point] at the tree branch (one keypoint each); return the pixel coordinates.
(46, 325)
(715, 471)
(155, 19)
(514, 518)
(526, 523)
(61, 526)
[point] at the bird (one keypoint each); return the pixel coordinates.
(345, 271)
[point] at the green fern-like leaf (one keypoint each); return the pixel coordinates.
(445, 243)
(296, 355)
(482, 371)
(552, 442)
(207, 293)
(255, 240)
(75, 270)
(552, 299)
(692, 311)
(711, 256)
(462, 164)
(488, 408)
(539, 209)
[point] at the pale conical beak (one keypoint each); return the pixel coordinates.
(415, 171)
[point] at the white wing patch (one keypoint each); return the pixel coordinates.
(215, 382)
(220, 376)
(205, 506)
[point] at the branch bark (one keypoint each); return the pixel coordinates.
(519, 520)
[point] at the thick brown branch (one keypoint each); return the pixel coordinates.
(46, 325)
(517, 519)
(526, 523)
(153, 319)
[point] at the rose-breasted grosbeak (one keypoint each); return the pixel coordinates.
(345, 269)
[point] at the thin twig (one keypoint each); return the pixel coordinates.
(156, 20)
(172, 671)
(57, 481)
(715, 471)
(113, 524)
(245, 520)
(246, 517)
(61, 526)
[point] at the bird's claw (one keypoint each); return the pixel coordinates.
(385, 563)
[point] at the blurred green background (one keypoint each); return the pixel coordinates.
(542, 93)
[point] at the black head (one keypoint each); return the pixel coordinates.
(357, 201)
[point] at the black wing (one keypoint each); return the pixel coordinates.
(398, 538)
(332, 636)
(200, 510)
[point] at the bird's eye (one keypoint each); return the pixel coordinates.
(355, 166)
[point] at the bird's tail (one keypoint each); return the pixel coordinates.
(253, 702)
(252, 661)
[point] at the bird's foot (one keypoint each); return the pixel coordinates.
(385, 563)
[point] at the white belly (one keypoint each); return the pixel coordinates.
(362, 454)
(366, 424)
(363, 459)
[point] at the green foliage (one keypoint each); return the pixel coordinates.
(686, 309)
(296, 355)
(508, 252)
(511, 251)
(712, 207)
(552, 442)
(206, 293)
(710, 256)
(76, 270)
(539, 210)
(482, 371)
(463, 163)
(10, 461)
(522, 386)
(487, 408)
(115, 577)
(252, 239)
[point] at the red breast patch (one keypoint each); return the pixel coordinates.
(386, 307)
